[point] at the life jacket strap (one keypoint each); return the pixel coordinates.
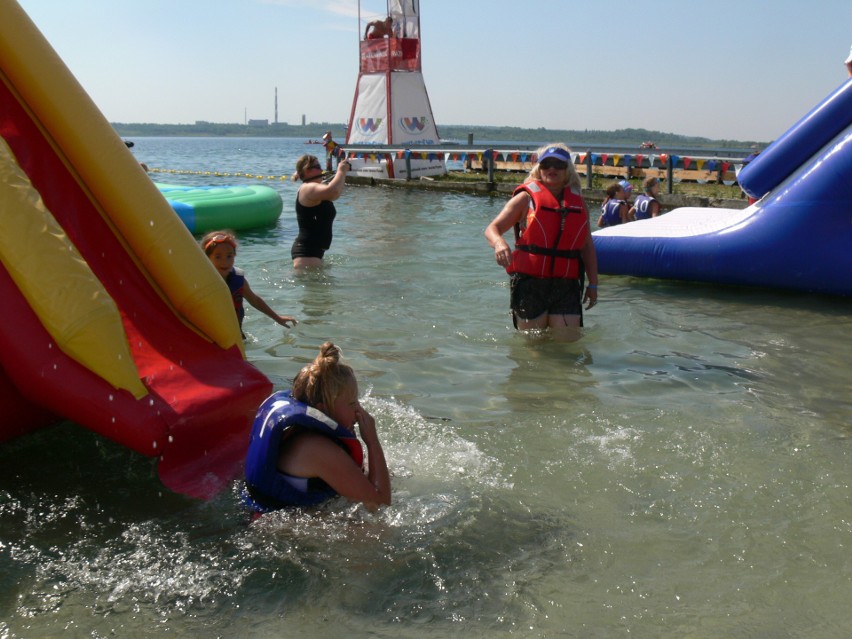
(543, 250)
(564, 210)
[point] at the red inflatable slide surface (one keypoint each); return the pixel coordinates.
(197, 398)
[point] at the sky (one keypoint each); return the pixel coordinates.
(722, 69)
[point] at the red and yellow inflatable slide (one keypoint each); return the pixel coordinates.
(115, 320)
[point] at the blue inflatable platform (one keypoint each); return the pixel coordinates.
(797, 236)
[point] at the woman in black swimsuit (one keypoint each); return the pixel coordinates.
(315, 210)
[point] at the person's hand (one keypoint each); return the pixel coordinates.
(286, 320)
(591, 296)
(366, 424)
(503, 254)
(344, 166)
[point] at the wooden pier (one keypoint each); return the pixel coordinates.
(668, 167)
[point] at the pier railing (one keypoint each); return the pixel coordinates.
(668, 167)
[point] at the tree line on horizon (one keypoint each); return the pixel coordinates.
(457, 133)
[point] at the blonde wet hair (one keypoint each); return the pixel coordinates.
(323, 380)
(572, 179)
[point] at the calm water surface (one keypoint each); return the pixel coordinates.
(683, 471)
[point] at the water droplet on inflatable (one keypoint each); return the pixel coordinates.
(111, 397)
(171, 439)
(154, 444)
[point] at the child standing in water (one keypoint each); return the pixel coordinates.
(303, 448)
(220, 247)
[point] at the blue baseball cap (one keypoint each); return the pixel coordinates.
(556, 153)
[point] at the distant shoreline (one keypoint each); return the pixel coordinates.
(458, 133)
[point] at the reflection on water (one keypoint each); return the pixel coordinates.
(683, 470)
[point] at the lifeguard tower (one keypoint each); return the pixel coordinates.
(391, 106)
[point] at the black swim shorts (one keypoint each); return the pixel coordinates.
(531, 297)
(305, 249)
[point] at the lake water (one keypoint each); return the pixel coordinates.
(682, 471)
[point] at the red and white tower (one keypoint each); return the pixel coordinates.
(391, 106)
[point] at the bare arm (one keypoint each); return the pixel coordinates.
(624, 212)
(312, 193)
(590, 261)
(506, 219)
(313, 455)
(378, 468)
(260, 304)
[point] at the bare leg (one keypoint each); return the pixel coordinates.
(565, 328)
(307, 262)
(538, 323)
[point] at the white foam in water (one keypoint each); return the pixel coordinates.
(147, 562)
(434, 472)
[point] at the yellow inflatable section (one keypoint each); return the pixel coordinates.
(58, 284)
(122, 191)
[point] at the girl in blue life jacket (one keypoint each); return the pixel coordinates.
(614, 208)
(220, 247)
(304, 448)
(646, 205)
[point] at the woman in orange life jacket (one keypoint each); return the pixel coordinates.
(554, 251)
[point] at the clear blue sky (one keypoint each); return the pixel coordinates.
(736, 69)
